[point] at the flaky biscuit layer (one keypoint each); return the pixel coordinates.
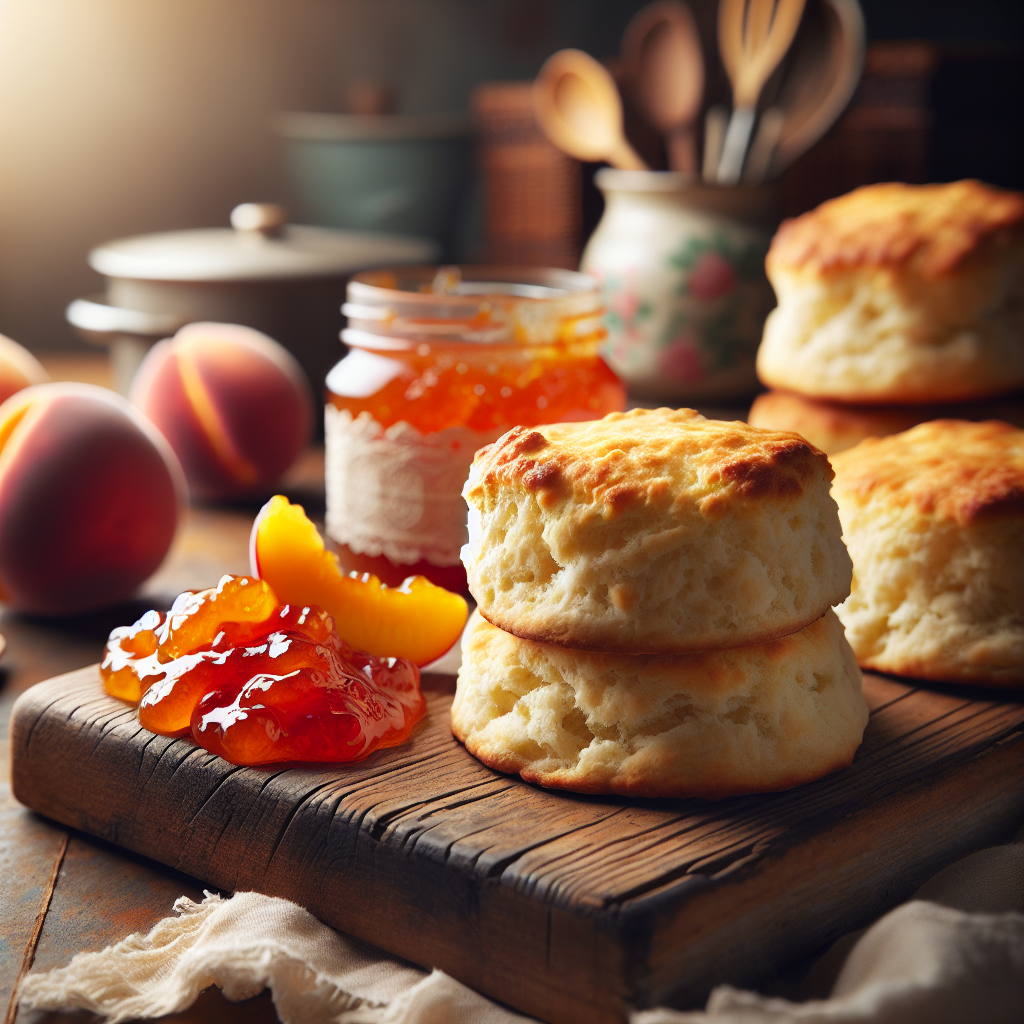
(933, 229)
(833, 426)
(899, 294)
(654, 531)
(748, 720)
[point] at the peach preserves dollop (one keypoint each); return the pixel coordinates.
(258, 682)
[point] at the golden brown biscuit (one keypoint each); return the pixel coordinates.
(899, 294)
(833, 427)
(749, 720)
(934, 519)
(653, 531)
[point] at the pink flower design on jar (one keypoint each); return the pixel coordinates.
(626, 304)
(682, 361)
(712, 277)
(620, 353)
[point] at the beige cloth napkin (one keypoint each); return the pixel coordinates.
(954, 954)
(244, 944)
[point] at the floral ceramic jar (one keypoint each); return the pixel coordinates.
(682, 267)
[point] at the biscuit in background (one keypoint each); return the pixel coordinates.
(934, 520)
(653, 531)
(750, 720)
(834, 427)
(899, 294)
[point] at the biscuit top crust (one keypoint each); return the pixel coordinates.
(947, 469)
(649, 458)
(930, 227)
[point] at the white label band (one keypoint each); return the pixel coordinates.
(396, 492)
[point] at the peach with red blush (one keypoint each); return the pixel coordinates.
(233, 404)
(90, 495)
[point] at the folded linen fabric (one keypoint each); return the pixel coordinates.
(954, 953)
(243, 945)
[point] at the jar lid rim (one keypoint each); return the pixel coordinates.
(477, 284)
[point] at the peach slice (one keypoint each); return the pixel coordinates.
(417, 620)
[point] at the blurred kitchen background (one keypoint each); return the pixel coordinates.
(121, 117)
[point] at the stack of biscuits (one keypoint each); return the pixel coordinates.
(654, 614)
(898, 304)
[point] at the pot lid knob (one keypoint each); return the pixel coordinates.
(265, 218)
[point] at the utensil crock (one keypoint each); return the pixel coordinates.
(682, 267)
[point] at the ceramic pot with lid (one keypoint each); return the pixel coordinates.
(287, 280)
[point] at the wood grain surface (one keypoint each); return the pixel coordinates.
(64, 893)
(569, 908)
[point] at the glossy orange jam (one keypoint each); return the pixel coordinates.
(482, 350)
(258, 682)
(433, 387)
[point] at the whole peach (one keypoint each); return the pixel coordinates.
(233, 404)
(18, 368)
(89, 499)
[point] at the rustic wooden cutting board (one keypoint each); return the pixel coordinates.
(569, 908)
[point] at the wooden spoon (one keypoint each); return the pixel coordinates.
(578, 108)
(664, 65)
(753, 37)
(821, 77)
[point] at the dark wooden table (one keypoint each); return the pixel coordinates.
(62, 892)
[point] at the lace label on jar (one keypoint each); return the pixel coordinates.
(397, 492)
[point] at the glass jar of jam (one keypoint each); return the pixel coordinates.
(441, 362)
